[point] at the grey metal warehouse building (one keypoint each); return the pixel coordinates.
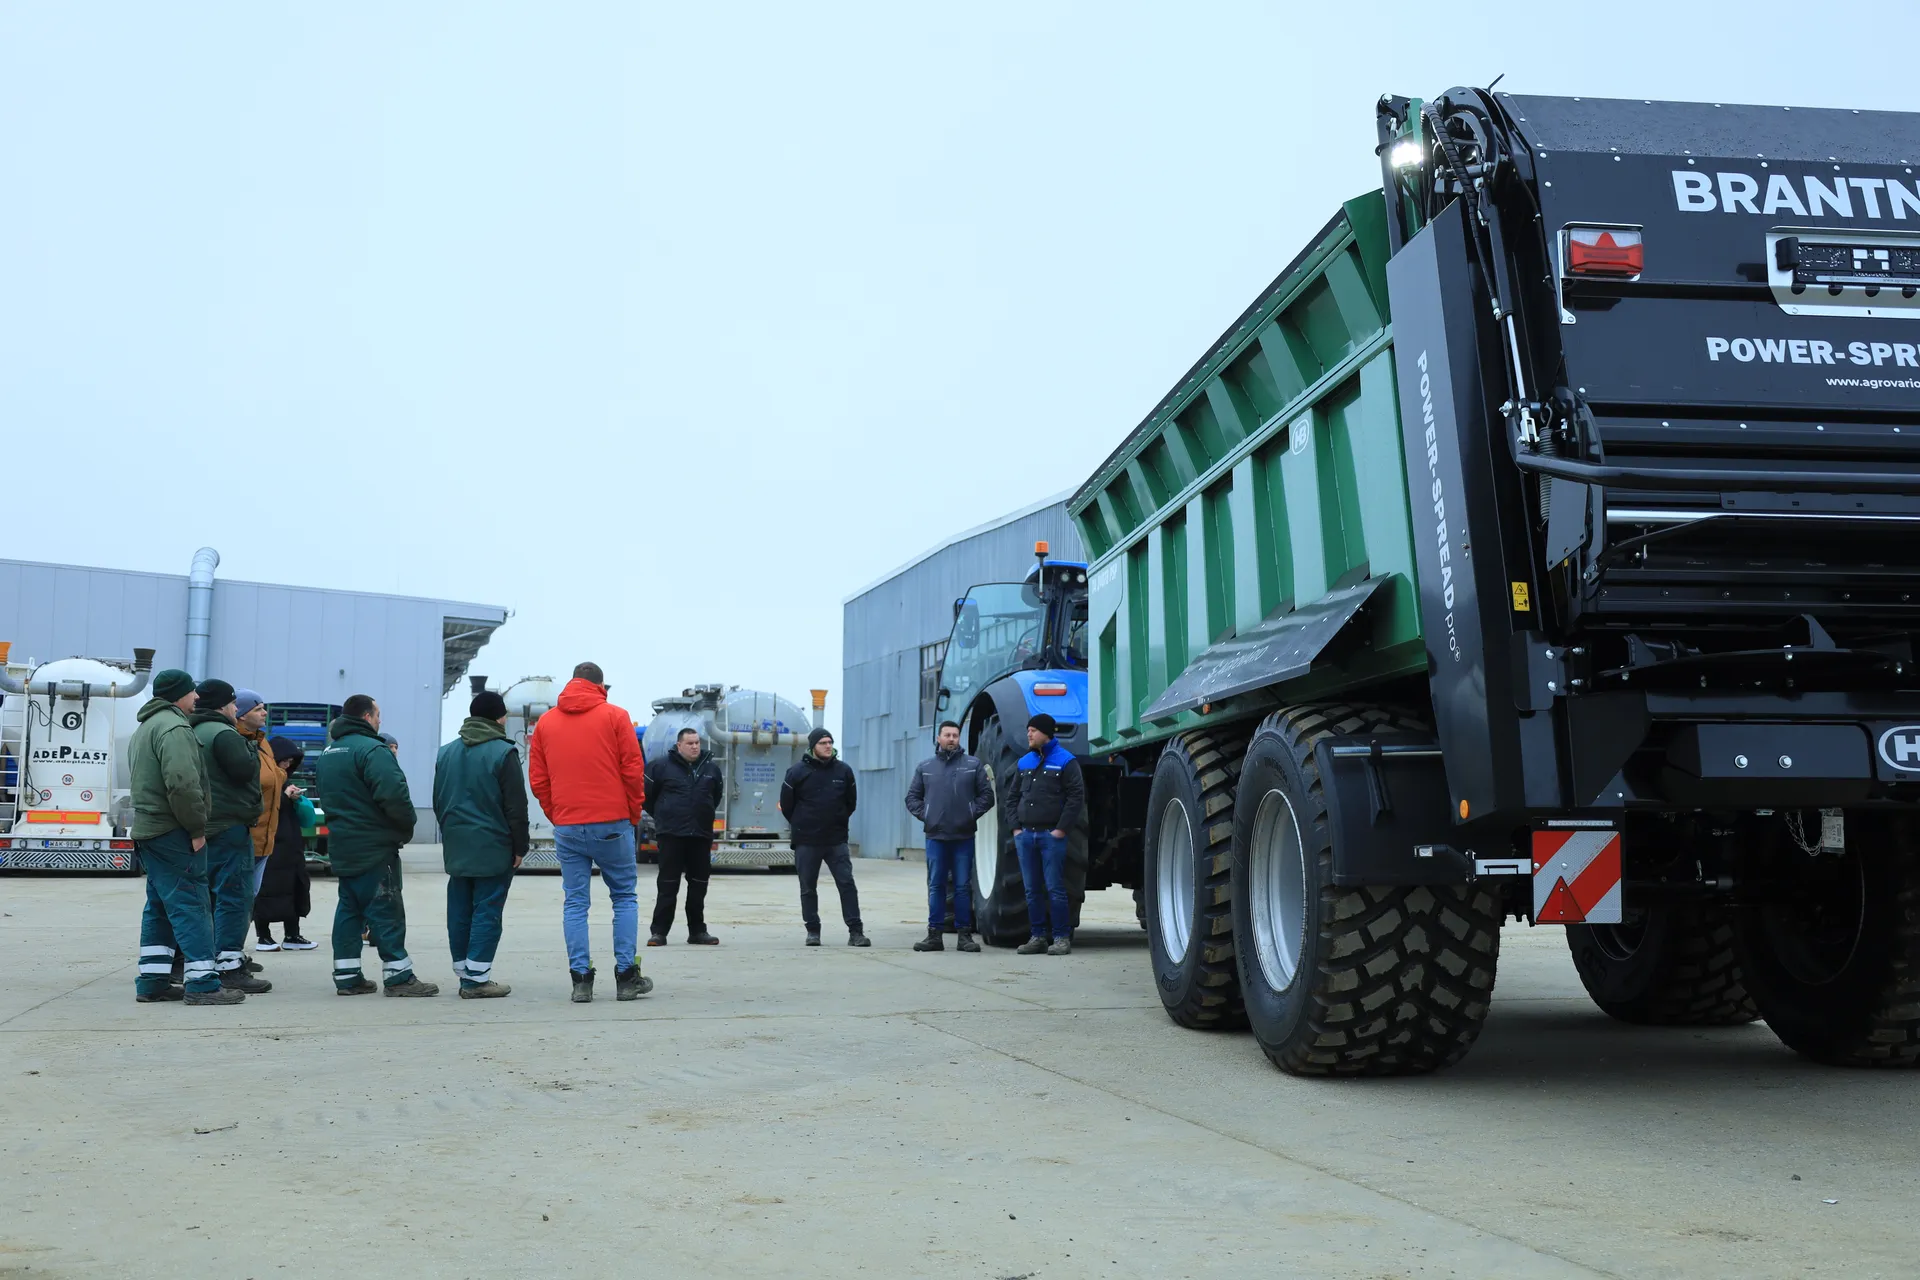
(293, 644)
(894, 636)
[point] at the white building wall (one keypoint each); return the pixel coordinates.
(292, 644)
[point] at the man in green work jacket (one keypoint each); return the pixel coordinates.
(480, 798)
(168, 777)
(369, 816)
(233, 789)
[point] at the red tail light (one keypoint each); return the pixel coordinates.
(1050, 690)
(1604, 251)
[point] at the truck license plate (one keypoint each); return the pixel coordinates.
(62, 844)
(757, 844)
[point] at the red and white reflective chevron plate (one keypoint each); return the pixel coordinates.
(1576, 877)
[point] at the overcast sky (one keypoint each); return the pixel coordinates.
(669, 327)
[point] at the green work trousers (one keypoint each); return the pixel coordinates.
(364, 905)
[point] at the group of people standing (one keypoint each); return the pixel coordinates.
(219, 827)
(951, 792)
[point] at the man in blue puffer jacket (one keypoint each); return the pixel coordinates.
(1047, 799)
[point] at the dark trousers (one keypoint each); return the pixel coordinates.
(692, 857)
(363, 905)
(806, 861)
(178, 920)
(1043, 870)
(230, 884)
(950, 858)
(474, 904)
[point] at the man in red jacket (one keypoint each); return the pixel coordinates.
(584, 762)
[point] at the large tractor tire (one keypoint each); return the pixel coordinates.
(999, 895)
(1834, 965)
(1187, 904)
(1376, 981)
(1667, 965)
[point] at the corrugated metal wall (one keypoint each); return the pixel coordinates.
(885, 627)
(292, 644)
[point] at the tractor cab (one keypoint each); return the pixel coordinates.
(1035, 628)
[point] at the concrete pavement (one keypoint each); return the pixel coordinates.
(777, 1111)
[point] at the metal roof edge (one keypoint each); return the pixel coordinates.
(999, 522)
(452, 605)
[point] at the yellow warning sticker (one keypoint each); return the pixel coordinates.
(1522, 599)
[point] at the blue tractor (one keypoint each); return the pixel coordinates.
(1016, 649)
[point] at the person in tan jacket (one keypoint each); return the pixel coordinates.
(251, 710)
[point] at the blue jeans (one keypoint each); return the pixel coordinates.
(230, 885)
(1043, 869)
(474, 904)
(178, 920)
(950, 858)
(609, 846)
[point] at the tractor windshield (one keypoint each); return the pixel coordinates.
(997, 630)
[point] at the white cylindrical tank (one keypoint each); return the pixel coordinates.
(64, 727)
(527, 700)
(755, 737)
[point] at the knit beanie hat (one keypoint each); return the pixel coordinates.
(214, 693)
(813, 739)
(488, 705)
(245, 700)
(172, 684)
(1044, 723)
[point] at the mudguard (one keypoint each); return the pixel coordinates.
(1011, 697)
(1388, 811)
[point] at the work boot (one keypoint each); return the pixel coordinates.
(583, 987)
(166, 993)
(629, 985)
(1060, 947)
(813, 937)
(485, 991)
(855, 938)
(963, 941)
(1031, 947)
(656, 940)
(224, 995)
(359, 987)
(932, 942)
(411, 987)
(251, 965)
(703, 939)
(241, 980)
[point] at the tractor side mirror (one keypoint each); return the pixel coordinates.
(940, 702)
(966, 625)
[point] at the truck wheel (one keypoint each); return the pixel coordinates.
(999, 895)
(1669, 965)
(1188, 901)
(1381, 980)
(1834, 965)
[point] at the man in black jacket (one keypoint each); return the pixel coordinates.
(683, 790)
(949, 794)
(817, 799)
